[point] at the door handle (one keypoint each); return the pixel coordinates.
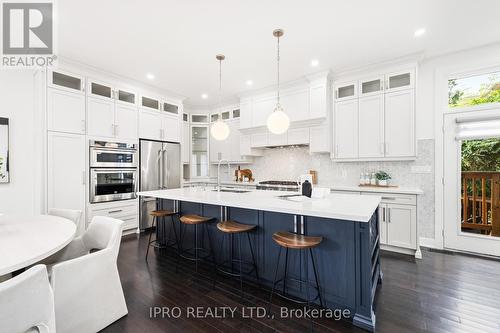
(389, 215)
(159, 161)
(165, 160)
(115, 211)
(383, 214)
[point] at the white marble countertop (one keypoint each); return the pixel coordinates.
(396, 190)
(333, 206)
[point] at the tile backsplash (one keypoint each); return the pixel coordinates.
(287, 163)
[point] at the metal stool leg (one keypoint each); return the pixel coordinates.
(241, 266)
(308, 304)
(196, 247)
(149, 239)
(274, 281)
(179, 247)
(212, 254)
(253, 259)
(286, 271)
(316, 278)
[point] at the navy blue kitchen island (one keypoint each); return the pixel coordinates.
(347, 259)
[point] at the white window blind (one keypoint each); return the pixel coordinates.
(472, 128)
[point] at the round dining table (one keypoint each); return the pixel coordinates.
(25, 240)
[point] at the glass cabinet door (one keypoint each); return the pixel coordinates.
(125, 96)
(346, 91)
(150, 103)
(66, 81)
(199, 151)
(399, 81)
(371, 86)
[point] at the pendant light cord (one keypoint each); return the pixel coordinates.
(220, 89)
(278, 70)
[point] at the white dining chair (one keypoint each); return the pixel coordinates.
(27, 303)
(87, 289)
(70, 214)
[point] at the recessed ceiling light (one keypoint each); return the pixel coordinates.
(314, 63)
(419, 32)
(249, 82)
(150, 76)
(204, 96)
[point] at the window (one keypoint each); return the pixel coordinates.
(474, 90)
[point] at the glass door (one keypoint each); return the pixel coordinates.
(199, 151)
(472, 182)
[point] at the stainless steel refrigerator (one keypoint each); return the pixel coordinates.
(160, 164)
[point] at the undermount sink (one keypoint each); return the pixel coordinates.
(231, 191)
(293, 197)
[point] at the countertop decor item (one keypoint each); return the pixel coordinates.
(383, 178)
(314, 175)
(278, 121)
(220, 130)
(241, 175)
(4, 150)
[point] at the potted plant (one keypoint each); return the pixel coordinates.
(382, 178)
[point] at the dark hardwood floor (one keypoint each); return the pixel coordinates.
(440, 293)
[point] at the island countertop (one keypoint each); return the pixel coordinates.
(333, 206)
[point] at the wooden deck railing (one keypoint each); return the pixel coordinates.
(481, 202)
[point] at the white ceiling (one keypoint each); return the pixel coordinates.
(177, 40)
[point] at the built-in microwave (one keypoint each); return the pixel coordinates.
(112, 184)
(112, 155)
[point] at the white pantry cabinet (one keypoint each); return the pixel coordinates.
(66, 175)
(346, 129)
(371, 126)
(400, 123)
(126, 117)
(65, 111)
(101, 117)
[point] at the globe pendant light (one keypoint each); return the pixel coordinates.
(278, 121)
(219, 129)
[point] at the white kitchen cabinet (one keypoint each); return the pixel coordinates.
(66, 175)
(346, 91)
(126, 121)
(66, 111)
(246, 146)
(371, 86)
(401, 226)
(399, 124)
(400, 80)
(259, 140)
(319, 139)
(298, 136)
(171, 128)
(199, 161)
(185, 143)
(382, 213)
(101, 117)
(150, 125)
(150, 103)
(234, 141)
(346, 129)
(277, 139)
(318, 100)
(126, 211)
(245, 114)
(66, 81)
(371, 126)
(101, 90)
(229, 149)
(295, 104)
(262, 108)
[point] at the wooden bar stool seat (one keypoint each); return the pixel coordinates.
(194, 219)
(161, 213)
(234, 227)
(294, 241)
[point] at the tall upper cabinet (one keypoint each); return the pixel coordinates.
(66, 102)
(159, 120)
(111, 111)
(374, 117)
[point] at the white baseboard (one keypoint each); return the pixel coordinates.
(429, 242)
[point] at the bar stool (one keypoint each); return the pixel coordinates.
(161, 214)
(293, 241)
(232, 228)
(192, 253)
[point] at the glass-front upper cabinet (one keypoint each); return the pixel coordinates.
(400, 80)
(66, 81)
(199, 118)
(346, 90)
(371, 86)
(226, 115)
(126, 97)
(236, 113)
(185, 117)
(170, 108)
(199, 151)
(151, 103)
(214, 117)
(100, 90)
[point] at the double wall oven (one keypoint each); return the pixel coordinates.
(113, 171)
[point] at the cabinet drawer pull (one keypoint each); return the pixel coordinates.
(388, 198)
(115, 211)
